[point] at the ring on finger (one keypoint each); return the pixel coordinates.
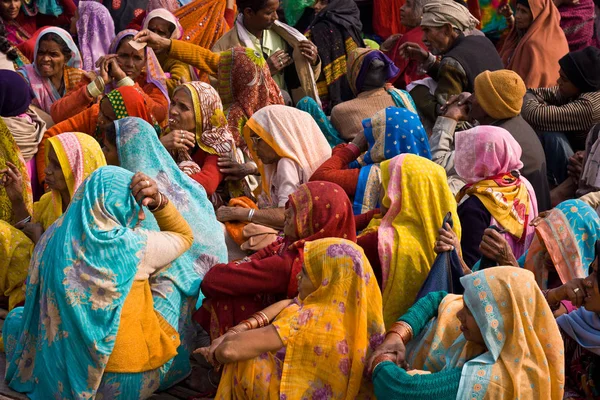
(575, 290)
(147, 183)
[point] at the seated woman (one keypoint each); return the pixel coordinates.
(94, 29)
(487, 158)
(535, 43)
(124, 66)
(55, 69)
(132, 143)
(288, 147)
(562, 249)
(369, 72)
(197, 134)
(416, 198)
(320, 340)
(497, 341)
(126, 101)
(166, 25)
(236, 290)
(76, 257)
(388, 133)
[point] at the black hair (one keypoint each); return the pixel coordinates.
(64, 47)
(125, 39)
(110, 133)
(254, 5)
(5, 46)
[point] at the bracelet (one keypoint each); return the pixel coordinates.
(251, 214)
(233, 330)
(127, 81)
(254, 318)
(553, 307)
(247, 324)
(164, 200)
(264, 317)
(23, 221)
(261, 318)
(381, 359)
(403, 330)
(93, 90)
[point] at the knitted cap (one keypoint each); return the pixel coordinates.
(581, 67)
(500, 93)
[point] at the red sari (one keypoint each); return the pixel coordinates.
(409, 69)
(237, 290)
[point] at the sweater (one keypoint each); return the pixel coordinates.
(336, 169)
(393, 382)
(176, 69)
(196, 56)
(347, 117)
(210, 175)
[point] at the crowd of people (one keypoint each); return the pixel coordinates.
(259, 200)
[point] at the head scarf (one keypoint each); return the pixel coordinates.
(95, 32)
(583, 326)
(165, 15)
(129, 101)
(485, 156)
(44, 90)
(359, 62)
(69, 272)
(292, 134)
(245, 86)
(577, 21)
(330, 334)
(390, 132)
(79, 155)
(15, 94)
(418, 198)
(153, 71)
(437, 13)
(534, 55)
(212, 132)
(568, 233)
(16, 255)
(9, 152)
(169, 5)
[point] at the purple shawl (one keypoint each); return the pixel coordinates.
(95, 30)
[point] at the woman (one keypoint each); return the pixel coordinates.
(74, 258)
(124, 66)
(136, 146)
(95, 31)
(562, 249)
(166, 25)
(497, 341)
(126, 101)
(416, 200)
(311, 349)
(535, 43)
(577, 21)
(236, 290)
(288, 147)
(487, 158)
(56, 68)
(390, 132)
(10, 57)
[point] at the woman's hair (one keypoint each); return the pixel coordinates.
(126, 39)
(254, 5)
(64, 47)
(418, 7)
(110, 133)
(5, 46)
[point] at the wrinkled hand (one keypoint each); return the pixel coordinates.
(234, 170)
(540, 217)
(209, 352)
(575, 166)
(390, 42)
(447, 240)
(145, 190)
(506, 11)
(309, 50)
(225, 214)
(33, 230)
(495, 247)
(392, 346)
(178, 139)
(413, 51)
(279, 61)
(575, 291)
(457, 107)
(157, 43)
(360, 141)
(11, 179)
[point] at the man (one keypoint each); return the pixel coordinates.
(563, 115)
(497, 100)
(455, 59)
(257, 27)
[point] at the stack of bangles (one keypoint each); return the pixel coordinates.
(401, 329)
(261, 321)
(164, 200)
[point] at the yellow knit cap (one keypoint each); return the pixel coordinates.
(500, 93)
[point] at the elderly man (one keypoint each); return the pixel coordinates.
(497, 100)
(455, 59)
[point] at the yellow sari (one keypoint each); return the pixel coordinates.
(79, 155)
(15, 252)
(417, 198)
(327, 337)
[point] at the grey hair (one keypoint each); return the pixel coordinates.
(419, 4)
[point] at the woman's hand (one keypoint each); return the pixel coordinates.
(225, 214)
(157, 43)
(446, 240)
(145, 190)
(495, 247)
(506, 11)
(33, 230)
(575, 166)
(309, 50)
(575, 291)
(360, 141)
(279, 61)
(413, 51)
(209, 352)
(11, 179)
(392, 346)
(541, 216)
(178, 139)
(234, 170)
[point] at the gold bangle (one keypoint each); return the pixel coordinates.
(247, 324)
(254, 318)
(233, 330)
(403, 330)
(265, 318)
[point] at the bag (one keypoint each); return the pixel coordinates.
(445, 272)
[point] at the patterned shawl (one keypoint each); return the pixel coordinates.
(577, 21)
(359, 61)
(79, 155)
(95, 32)
(44, 90)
